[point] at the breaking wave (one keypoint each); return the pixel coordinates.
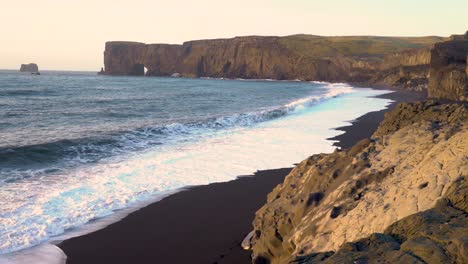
(54, 195)
(54, 157)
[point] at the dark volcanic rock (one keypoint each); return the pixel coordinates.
(31, 67)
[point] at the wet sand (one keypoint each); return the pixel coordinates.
(364, 126)
(204, 224)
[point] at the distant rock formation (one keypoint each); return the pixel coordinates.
(421, 64)
(304, 57)
(398, 197)
(31, 67)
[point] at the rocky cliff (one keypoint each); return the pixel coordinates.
(394, 62)
(398, 197)
(131, 58)
(406, 70)
(448, 70)
(304, 57)
(31, 67)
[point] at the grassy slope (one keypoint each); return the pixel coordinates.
(361, 46)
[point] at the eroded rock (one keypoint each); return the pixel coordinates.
(376, 199)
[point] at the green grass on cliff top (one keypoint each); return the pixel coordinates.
(311, 46)
(362, 46)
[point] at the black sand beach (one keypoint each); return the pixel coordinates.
(203, 224)
(364, 126)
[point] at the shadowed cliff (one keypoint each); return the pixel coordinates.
(449, 70)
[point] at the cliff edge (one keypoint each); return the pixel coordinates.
(398, 197)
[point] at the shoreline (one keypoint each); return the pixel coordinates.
(203, 224)
(97, 223)
(365, 125)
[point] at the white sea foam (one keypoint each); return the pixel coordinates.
(42, 254)
(123, 144)
(46, 208)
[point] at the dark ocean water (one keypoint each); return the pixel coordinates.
(67, 117)
(77, 146)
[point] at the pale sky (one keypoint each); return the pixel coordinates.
(70, 34)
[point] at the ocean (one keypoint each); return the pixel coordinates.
(76, 147)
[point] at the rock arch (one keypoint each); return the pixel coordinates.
(138, 69)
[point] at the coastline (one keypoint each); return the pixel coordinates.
(365, 125)
(203, 224)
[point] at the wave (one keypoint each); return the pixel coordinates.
(26, 92)
(22, 162)
(36, 210)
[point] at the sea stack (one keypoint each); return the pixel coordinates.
(31, 67)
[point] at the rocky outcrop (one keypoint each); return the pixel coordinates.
(437, 235)
(131, 58)
(398, 197)
(31, 67)
(449, 70)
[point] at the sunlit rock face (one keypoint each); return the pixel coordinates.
(361, 202)
(31, 67)
(304, 57)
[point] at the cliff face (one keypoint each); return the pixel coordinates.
(302, 57)
(404, 63)
(379, 200)
(130, 58)
(31, 67)
(449, 70)
(407, 70)
(247, 57)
